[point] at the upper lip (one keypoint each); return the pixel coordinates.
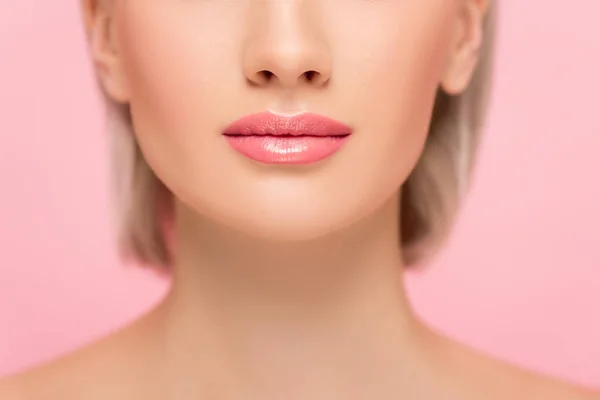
(305, 124)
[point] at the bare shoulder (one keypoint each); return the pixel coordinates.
(59, 379)
(477, 376)
(99, 371)
(10, 390)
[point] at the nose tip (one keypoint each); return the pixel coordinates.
(287, 56)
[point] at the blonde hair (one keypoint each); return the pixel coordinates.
(429, 201)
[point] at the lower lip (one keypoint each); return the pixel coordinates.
(270, 149)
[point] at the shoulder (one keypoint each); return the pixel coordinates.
(520, 384)
(101, 370)
(476, 376)
(10, 389)
(60, 379)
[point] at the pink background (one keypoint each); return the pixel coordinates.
(520, 278)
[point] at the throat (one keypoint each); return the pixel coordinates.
(252, 315)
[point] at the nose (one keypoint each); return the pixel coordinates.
(286, 48)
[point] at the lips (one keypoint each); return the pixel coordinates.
(274, 139)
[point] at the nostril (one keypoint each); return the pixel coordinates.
(310, 75)
(266, 75)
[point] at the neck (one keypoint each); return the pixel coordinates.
(279, 313)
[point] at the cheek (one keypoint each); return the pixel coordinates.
(396, 75)
(175, 63)
(168, 70)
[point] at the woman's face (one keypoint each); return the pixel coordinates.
(191, 68)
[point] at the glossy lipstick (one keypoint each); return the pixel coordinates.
(278, 139)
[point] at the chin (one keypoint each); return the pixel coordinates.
(284, 207)
(287, 224)
(290, 230)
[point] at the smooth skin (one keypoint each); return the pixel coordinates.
(287, 281)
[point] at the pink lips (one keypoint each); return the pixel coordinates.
(273, 139)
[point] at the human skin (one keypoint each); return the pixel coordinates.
(287, 281)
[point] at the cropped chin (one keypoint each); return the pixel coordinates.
(287, 230)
